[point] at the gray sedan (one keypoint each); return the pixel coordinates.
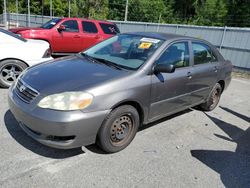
(105, 93)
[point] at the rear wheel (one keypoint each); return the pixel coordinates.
(9, 71)
(213, 98)
(118, 129)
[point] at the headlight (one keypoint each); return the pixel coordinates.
(67, 101)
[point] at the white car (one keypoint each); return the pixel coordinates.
(16, 54)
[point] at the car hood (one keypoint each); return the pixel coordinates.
(37, 42)
(74, 73)
(19, 29)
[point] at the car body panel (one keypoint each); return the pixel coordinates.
(30, 52)
(66, 42)
(72, 73)
(51, 122)
(156, 95)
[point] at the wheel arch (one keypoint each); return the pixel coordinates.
(136, 105)
(14, 59)
(222, 84)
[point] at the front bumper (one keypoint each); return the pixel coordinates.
(57, 129)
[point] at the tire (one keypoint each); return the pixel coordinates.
(213, 98)
(9, 71)
(118, 129)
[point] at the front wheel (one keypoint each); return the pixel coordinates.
(9, 71)
(118, 129)
(213, 98)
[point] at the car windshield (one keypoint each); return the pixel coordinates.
(51, 23)
(127, 51)
(10, 34)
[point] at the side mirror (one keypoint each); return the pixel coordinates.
(61, 28)
(164, 68)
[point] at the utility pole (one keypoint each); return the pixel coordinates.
(42, 10)
(69, 8)
(51, 8)
(17, 19)
(159, 21)
(126, 12)
(5, 14)
(28, 13)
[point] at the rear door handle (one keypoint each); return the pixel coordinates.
(76, 36)
(189, 75)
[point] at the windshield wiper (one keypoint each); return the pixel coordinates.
(88, 57)
(108, 63)
(103, 61)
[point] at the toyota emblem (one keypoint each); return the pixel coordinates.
(22, 88)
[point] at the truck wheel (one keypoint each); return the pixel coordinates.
(118, 129)
(213, 98)
(9, 71)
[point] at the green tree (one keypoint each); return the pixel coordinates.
(145, 10)
(184, 10)
(168, 16)
(210, 12)
(238, 13)
(96, 9)
(116, 9)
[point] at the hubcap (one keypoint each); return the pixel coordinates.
(120, 129)
(215, 97)
(10, 73)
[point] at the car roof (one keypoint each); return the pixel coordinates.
(162, 36)
(86, 19)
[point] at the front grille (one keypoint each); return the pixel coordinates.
(25, 92)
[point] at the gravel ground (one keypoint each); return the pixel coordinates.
(189, 149)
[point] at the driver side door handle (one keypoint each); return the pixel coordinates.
(189, 75)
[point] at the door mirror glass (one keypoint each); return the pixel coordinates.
(61, 28)
(164, 68)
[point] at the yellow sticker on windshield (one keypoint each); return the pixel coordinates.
(145, 45)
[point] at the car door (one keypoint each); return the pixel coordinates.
(204, 73)
(69, 39)
(91, 34)
(168, 92)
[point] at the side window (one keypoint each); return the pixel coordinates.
(110, 29)
(177, 54)
(71, 26)
(89, 27)
(202, 53)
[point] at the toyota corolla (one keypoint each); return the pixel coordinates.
(103, 95)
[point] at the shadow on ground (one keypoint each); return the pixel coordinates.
(233, 167)
(20, 136)
(94, 148)
(143, 127)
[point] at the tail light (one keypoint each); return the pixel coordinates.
(47, 53)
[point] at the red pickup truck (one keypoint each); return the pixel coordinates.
(70, 35)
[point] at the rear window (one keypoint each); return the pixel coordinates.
(89, 27)
(110, 29)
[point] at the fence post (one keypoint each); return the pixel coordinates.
(120, 26)
(5, 14)
(223, 36)
(177, 27)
